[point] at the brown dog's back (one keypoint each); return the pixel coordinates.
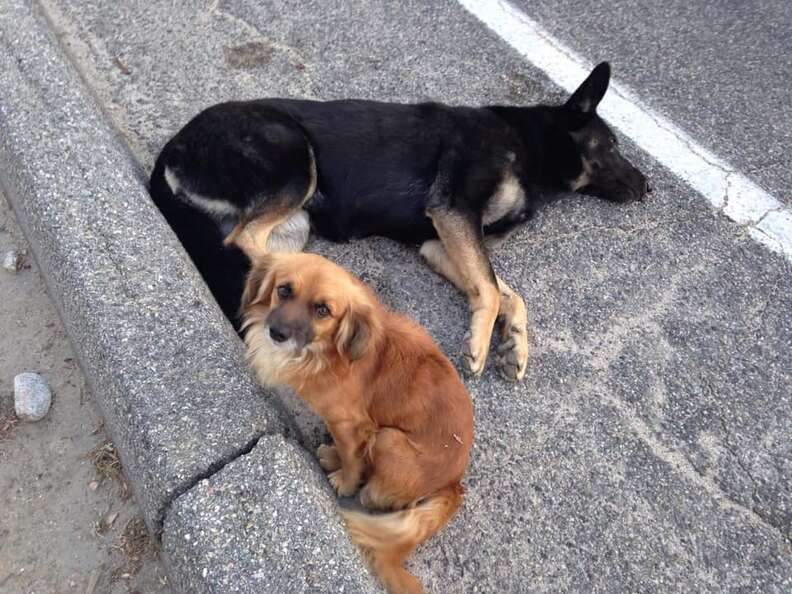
(415, 389)
(419, 454)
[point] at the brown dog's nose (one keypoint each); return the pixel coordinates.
(277, 334)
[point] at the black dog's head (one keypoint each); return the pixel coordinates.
(604, 171)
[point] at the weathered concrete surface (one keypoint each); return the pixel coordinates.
(649, 447)
(53, 497)
(164, 366)
(267, 522)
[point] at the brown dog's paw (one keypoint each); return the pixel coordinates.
(512, 358)
(341, 483)
(328, 457)
(474, 357)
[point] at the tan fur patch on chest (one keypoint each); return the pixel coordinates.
(584, 178)
(508, 198)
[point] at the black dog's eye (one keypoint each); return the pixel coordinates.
(284, 291)
(322, 311)
(595, 165)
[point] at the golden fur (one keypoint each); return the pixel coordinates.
(400, 417)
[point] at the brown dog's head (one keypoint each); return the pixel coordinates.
(300, 309)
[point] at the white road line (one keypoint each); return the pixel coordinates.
(730, 192)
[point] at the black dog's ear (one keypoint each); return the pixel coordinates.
(584, 101)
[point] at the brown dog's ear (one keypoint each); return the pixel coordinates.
(356, 332)
(259, 283)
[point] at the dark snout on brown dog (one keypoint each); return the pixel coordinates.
(290, 322)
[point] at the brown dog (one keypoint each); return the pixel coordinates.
(400, 417)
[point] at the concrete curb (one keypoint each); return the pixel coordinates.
(165, 367)
(259, 526)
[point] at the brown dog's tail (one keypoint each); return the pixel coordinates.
(388, 539)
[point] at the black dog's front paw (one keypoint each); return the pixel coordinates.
(512, 358)
(473, 358)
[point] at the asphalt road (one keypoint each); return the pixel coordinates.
(720, 70)
(648, 448)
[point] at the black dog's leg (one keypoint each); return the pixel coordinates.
(513, 349)
(463, 242)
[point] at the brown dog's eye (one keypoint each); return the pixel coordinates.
(284, 291)
(322, 311)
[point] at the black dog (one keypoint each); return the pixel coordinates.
(449, 178)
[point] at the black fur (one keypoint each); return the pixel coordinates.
(380, 167)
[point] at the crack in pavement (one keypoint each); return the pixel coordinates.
(605, 348)
(290, 433)
(679, 462)
(210, 471)
(731, 449)
(768, 212)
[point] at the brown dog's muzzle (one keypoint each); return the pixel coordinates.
(284, 327)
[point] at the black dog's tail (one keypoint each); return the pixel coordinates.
(222, 268)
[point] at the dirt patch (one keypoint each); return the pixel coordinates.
(248, 55)
(136, 544)
(108, 466)
(66, 510)
(7, 422)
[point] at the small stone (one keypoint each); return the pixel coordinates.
(13, 261)
(93, 485)
(32, 397)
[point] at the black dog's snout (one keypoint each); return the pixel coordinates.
(277, 334)
(641, 187)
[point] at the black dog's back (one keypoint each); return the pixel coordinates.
(375, 164)
(377, 161)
